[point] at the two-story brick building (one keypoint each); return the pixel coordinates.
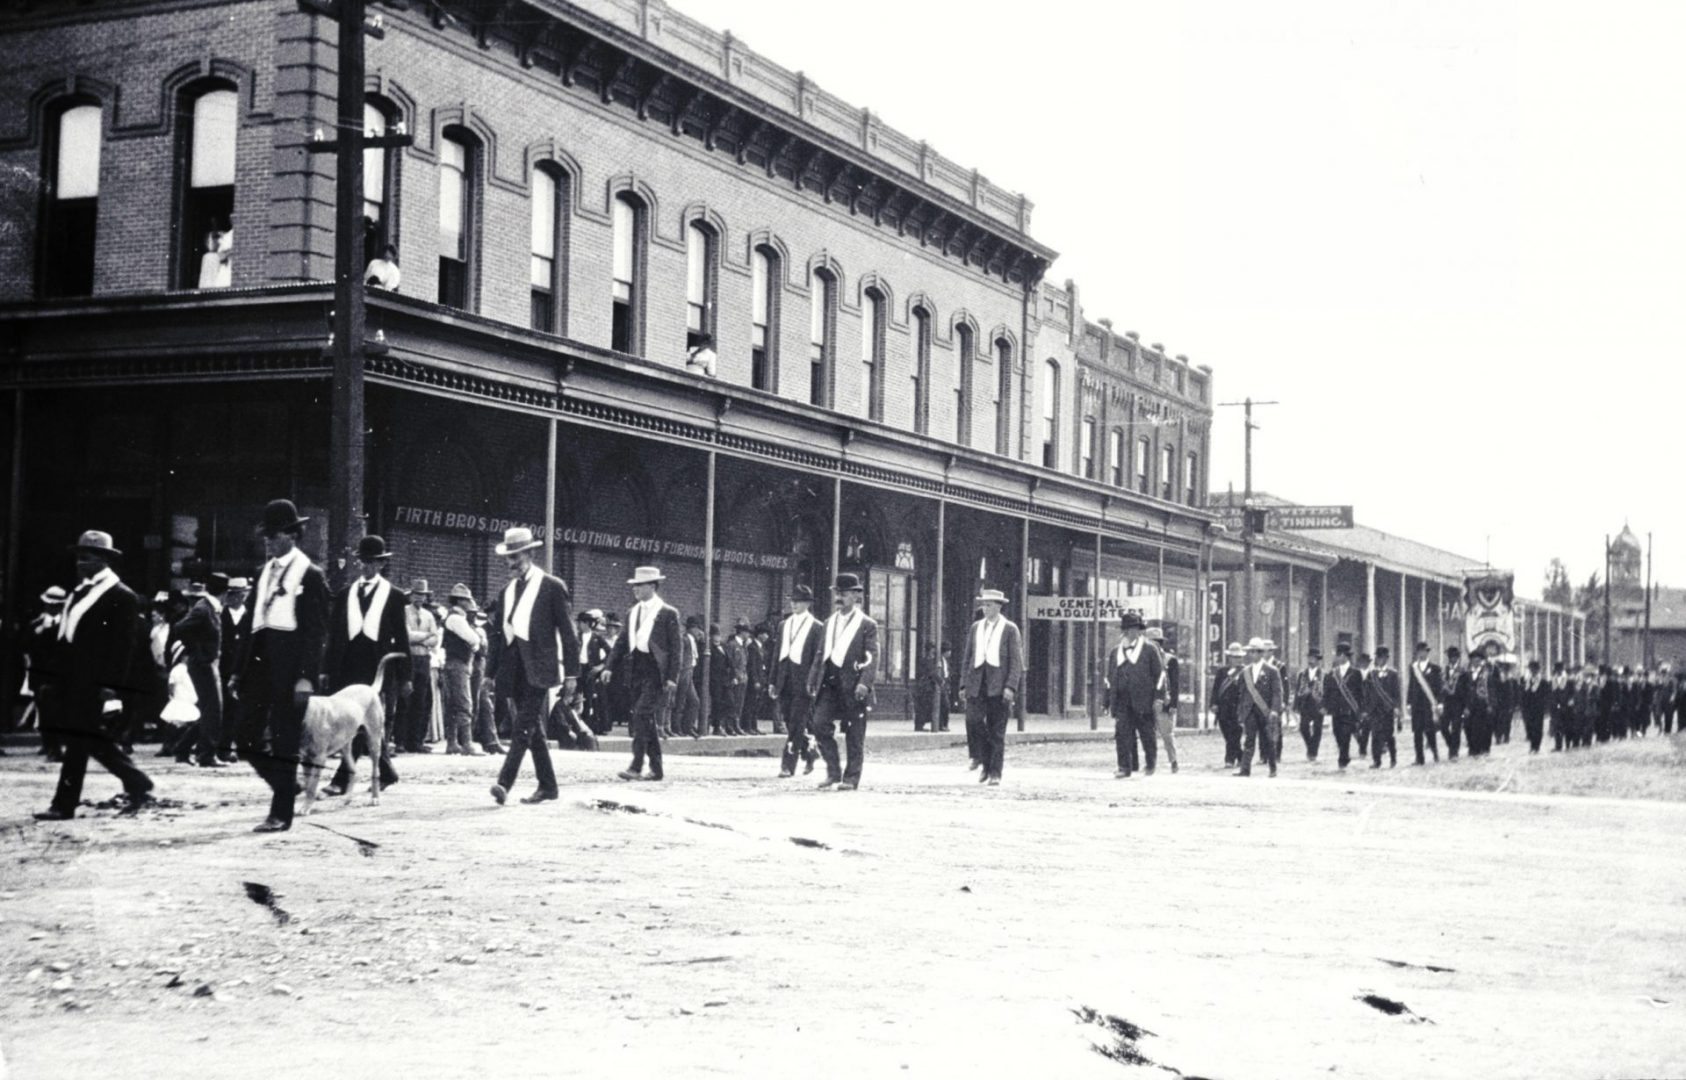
(592, 188)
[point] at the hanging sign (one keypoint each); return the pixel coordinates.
(1089, 608)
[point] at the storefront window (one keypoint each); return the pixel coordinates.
(893, 600)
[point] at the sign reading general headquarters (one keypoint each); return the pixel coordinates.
(1090, 608)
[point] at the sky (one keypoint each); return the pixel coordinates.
(1449, 238)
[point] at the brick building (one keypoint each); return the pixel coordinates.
(592, 188)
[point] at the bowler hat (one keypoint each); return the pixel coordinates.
(1315, 654)
(280, 516)
(613, 618)
(1343, 649)
(646, 575)
(1131, 620)
(517, 540)
(692, 622)
(459, 591)
(419, 587)
(847, 583)
(1382, 652)
(802, 593)
(991, 596)
(216, 583)
(96, 542)
(372, 548)
(741, 624)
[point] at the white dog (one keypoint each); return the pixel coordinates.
(331, 723)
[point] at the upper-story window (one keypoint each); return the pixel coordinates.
(1051, 414)
(459, 196)
(1144, 448)
(822, 336)
(380, 182)
(964, 343)
(1087, 448)
(1167, 472)
(1191, 478)
(548, 272)
(921, 370)
(702, 256)
(1003, 396)
(72, 172)
(1115, 457)
(766, 272)
(872, 354)
(206, 230)
(629, 239)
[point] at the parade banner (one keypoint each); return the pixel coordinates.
(1088, 608)
(445, 520)
(1488, 611)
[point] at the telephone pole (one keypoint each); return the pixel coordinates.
(1645, 651)
(346, 464)
(1250, 524)
(1607, 657)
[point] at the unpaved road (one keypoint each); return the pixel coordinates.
(927, 926)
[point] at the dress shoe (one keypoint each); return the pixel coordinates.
(473, 751)
(499, 794)
(786, 774)
(273, 825)
(983, 778)
(541, 795)
(995, 781)
(332, 791)
(1173, 766)
(1243, 772)
(628, 774)
(424, 748)
(137, 803)
(388, 781)
(828, 783)
(212, 763)
(53, 813)
(654, 778)
(1375, 765)
(975, 763)
(1273, 770)
(808, 768)
(1121, 774)
(847, 785)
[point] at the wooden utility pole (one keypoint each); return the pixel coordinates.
(1250, 582)
(1607, 657)
(1645, 652)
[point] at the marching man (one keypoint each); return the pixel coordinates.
(841, 683)
(799, 649)
(1260, 709)
(648, 656)
(991, 673)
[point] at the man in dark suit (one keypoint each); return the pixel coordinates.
(95, 659)
(650, 653)
(1483, 704)
(1226, 702)
(1308, 702)
(1343, 697)
(719, 673)
(992, 674)
(531, 649)
(1135, 682)
(1260, 709)
(594, 653)
(199, 633)
(1537, 696)
(236, 633)
(1422, 697)
(841, 682)
(367, 623)
(737, 656)
(1381, 708)
(798, 648)
(283, 659)
(1454, 701)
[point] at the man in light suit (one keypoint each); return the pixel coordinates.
(798, 648)
(367, 623)
(992, 674)
(283, 660)
(648, 657)
(841, 682)
(531, 648)
(1136, 679)
(1260, 709)
(99, 643)
(1172, 695)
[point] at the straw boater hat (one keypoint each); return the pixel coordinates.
(517, 540)
(646, 575)
(96, 542)
(239, 583)
(991, 596)
(1235, 649)
(54, 595)
(1154, 633)
(1257, 644)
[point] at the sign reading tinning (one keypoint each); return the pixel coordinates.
(1293, 518)
(1088, 608)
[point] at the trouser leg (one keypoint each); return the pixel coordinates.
(1168, 735)
(1121, 736)
(975, 730)
(1148, 734)
(794, 707)
(73, 770)
(995, 716)
(1343, 740)
(1249, 739)
(825, 708)
(854, 742)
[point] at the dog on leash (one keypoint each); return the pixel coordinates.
(331, 724)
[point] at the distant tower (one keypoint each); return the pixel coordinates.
(1627, 566)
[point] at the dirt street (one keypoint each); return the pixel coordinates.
(726, 923)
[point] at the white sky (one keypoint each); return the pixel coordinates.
(1447, 236)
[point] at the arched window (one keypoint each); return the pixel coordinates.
(963, 392)
(1115, 457)
(549, 271)
(630, 239)
(702, 256)
(872, 354)
(72, 172)
(766, 272)
(459, 204)
(1003, 396)
(205, 229)
(921, 370)
(1051, 414)
(822, 336)
(380, 181)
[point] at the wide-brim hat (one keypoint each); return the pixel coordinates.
(517, 540)
(1131, 620)
(99, 543)
(239, 583)
(419, 587)
(281, 515)
(1270, 645)
(646, 575)
(1257, 644)
(990, 596)
(1235, 649)
(802, 592)
(54, 595)
(459, 591)
(372, 548)
(846, 583)
(1154, 633)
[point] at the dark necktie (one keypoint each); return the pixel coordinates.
(366, 596)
